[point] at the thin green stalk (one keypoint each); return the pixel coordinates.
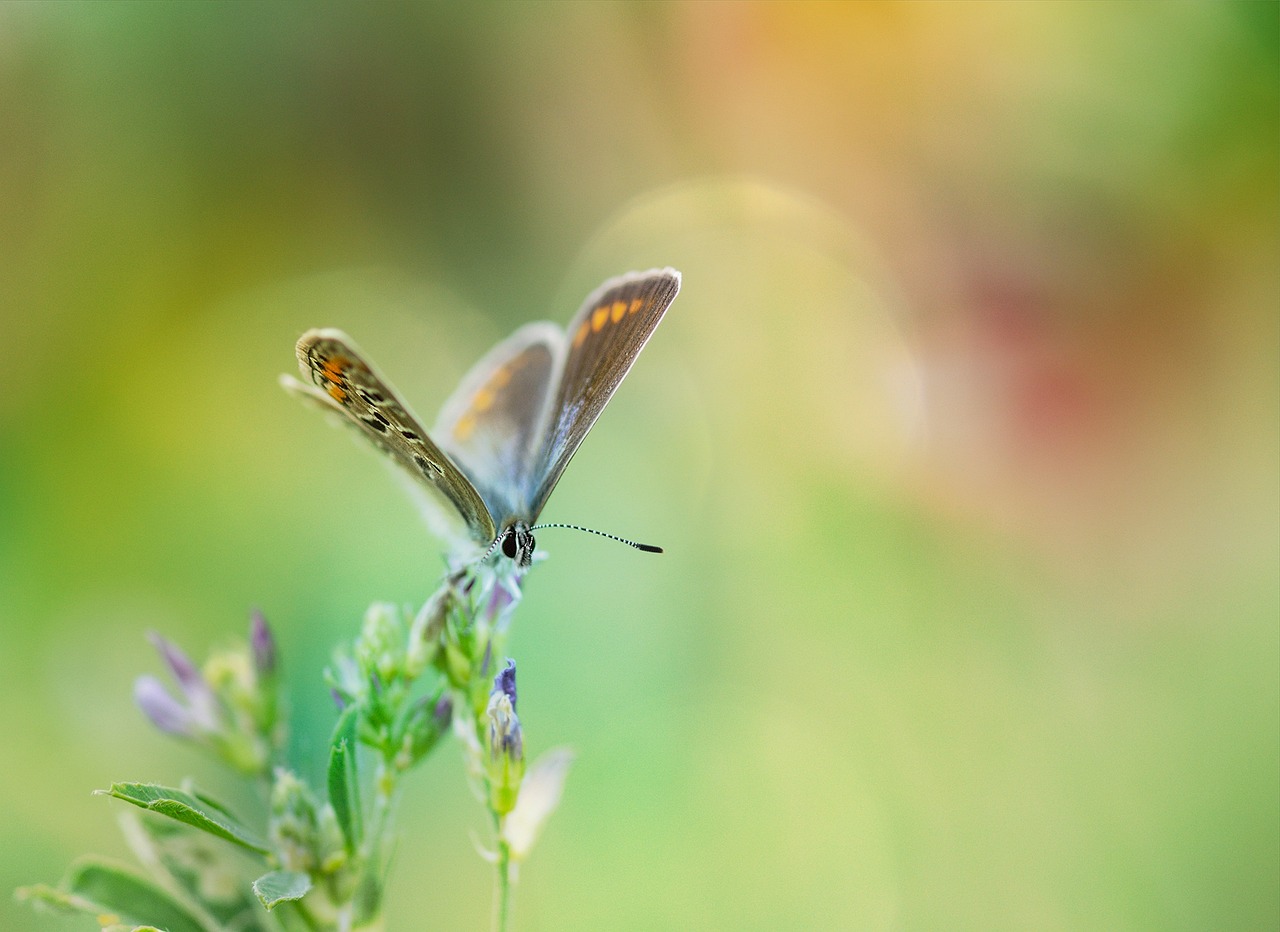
(376, 842)
(384, 788)
(304, 914)
(502, 886)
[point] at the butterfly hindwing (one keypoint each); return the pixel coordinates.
(492, 421)
(346, 382)
(601, 344)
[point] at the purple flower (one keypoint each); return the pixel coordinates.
(443, 712)
(263, 646)
(501, 602)
(165, 712)
(505, 682)
(506, 737)
(505, 766)
(428, 718)
(202, 708)
(180, 665)
(223, 706)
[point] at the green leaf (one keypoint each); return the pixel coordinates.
(344, 783)
(43, 895)
(211, 873)
(280, 887)
(113, 894)
(135, 898)
(194, 809)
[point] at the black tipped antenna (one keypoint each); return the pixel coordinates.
(492, 547)
(647, 548)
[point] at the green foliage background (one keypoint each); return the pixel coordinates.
(962, 437)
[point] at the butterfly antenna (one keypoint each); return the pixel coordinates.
(492, 547)
(647, 548)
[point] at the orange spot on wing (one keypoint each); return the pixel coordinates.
(581, 334)
(598, 317)
(501, 378)
(333, 367)
(466, 424)
(483, 400)
(333, 372)
(619, 311)
(635, 305)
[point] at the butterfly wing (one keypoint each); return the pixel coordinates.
(489, 423)
(345, 382)
(602, 343)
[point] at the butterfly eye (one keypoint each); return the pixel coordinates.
(509, 544)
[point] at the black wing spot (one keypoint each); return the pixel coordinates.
(377, 423)
(426, 465)
(410, 435)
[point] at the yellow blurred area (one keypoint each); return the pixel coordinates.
(963, 436)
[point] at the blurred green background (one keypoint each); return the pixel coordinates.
(962, 436)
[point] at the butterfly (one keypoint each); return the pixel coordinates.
(505, 436)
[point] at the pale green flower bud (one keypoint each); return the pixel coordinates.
(425, 631)
(428, 719)
(295, 825)
(380, 648)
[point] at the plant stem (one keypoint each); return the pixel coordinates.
(385, 786)
(308, 919)
(502, 887)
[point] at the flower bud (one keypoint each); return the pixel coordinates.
(263, 646)
(506, 742)
(226, 706)
(501, 602)
(245, 737)
(304, 834)
(165, 712)
(294, 826)
(346, 683)
(202, 704)
(262, 649)
(427, 626)
(380, 648)
(505, 681)
(455, 663)
(428, 719)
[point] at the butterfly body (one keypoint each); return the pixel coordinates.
(505, 436)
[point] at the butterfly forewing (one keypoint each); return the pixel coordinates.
(490, 424)
(602, 342)
(346, 382)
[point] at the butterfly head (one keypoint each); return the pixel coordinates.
(517, 543)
